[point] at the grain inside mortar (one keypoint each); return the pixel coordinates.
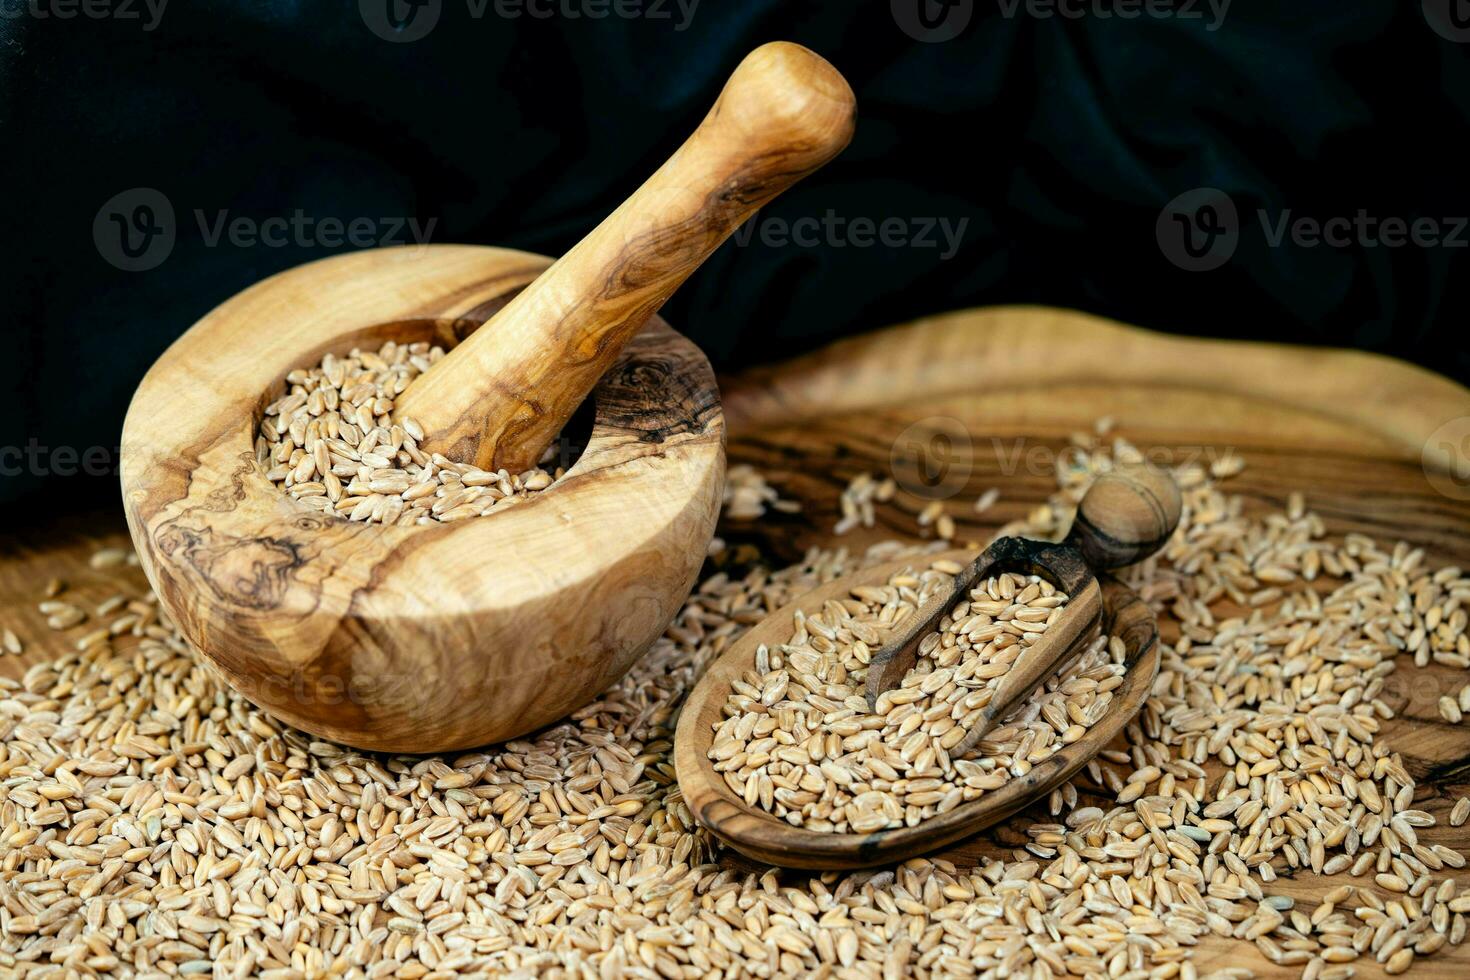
(333, 443)
(153, 822)
(799, 740)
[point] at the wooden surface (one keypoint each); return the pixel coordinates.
(765, 837)
(428, 637)
(1346, 429)
(505, 394)
(1125, 516)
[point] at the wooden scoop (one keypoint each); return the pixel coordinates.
(443, 636)
(1126, 515)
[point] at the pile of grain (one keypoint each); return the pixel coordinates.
(858, 503)
(332, 442)
(799, 740)
(152, 820)
(748, 496)
(857, 506)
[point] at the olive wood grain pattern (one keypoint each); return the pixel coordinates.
(503, 396)
(1343, 428)
(765, 837)
(422, 638)
(1199, 388)
(1060, 565)
(1346, 429)
(1126, 515)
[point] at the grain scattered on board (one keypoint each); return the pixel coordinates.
(857, 504)
(857, 507)
(109, 558)
(799, 740)
(152, 818)
(1449, 710)
(748, 496)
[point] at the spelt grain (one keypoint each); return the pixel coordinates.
(798, 738)
(333, 444)
(1449, 710)
(154, 822)
(748, 496)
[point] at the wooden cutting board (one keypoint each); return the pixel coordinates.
(1006, 387)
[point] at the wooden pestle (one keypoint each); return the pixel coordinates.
(500, 397)
(406, 639)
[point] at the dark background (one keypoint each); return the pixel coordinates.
(1059, 136)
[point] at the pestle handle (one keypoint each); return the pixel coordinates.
(501, 396)
(1127, 515)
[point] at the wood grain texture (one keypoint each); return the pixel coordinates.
(1126, 516)
(1343, 428)
(423, 638)
(34, 549)
(503, 396)
(765, 837)
(1354, 396)
(1061, 566)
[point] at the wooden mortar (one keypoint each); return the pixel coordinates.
(444, 636)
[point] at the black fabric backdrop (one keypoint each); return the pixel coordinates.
(1055, 134)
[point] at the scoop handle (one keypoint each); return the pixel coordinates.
(502, 395)
(1128, 514)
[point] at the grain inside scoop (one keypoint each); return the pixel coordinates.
(434, 637)
(1126, 515)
